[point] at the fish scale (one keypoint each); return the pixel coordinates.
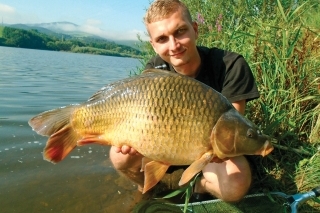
(169, 118)
(130, 114)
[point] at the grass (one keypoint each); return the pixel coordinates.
(283, 51)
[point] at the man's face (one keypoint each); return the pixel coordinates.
(174, 39)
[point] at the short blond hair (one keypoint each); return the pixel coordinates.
(161, 9)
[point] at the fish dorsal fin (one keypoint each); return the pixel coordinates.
(196, 167)
(153, 173)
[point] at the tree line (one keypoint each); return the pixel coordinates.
(33, 39)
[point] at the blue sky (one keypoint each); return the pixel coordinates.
(120, 19)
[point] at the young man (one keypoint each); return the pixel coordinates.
(173, 37)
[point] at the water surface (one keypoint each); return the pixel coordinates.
(32, 81)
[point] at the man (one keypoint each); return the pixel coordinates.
(173, 37)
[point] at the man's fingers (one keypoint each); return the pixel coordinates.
(117, 149)
(132, 151)
(125, 149)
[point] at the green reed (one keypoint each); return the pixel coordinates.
(283, 51)
(280, 39)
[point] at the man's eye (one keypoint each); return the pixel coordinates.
(161, 39)
(181, 31)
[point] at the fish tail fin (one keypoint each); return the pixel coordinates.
(56, 124)
(49, 122)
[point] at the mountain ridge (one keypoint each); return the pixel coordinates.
(69, 29)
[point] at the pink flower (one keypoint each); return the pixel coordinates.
(200, 18)
(219, 23)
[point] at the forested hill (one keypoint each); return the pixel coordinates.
(33, 39)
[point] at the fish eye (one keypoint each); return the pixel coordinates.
(250, 133)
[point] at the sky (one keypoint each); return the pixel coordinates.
(117, 19)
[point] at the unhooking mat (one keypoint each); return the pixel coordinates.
(257, 203)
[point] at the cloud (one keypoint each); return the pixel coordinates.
(115, 35)
(93, 22)
(133, 34)
(112, 34)
(91, 28)
(6, 9)
(10, 15)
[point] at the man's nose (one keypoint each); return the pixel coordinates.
(174, 43)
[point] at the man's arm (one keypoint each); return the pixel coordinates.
(240, 106)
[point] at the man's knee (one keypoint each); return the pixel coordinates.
(237, 187)
(238, 180)
(229, 180)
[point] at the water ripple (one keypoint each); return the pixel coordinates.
(33, 81)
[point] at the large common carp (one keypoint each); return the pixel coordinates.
(169, 118)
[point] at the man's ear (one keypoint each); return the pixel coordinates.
(195, 28)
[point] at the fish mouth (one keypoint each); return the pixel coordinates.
(266, 149)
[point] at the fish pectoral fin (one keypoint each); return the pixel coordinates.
(153, 173)
(196, 167)
(99, 139)
(144, 161)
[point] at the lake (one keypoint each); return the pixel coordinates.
(33, 81)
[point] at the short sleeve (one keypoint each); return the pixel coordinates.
(239, 83)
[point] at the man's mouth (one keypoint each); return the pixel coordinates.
(178, 54)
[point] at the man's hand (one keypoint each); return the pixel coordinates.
(126, 150)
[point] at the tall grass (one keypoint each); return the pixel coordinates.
(280, 39)
(283, 51)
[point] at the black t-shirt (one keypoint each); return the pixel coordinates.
(226, 72)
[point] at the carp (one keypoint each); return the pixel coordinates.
(171, 119)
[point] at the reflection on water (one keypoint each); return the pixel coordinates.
(31, 82)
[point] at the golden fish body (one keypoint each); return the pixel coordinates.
(162, 116)
(169, 118)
